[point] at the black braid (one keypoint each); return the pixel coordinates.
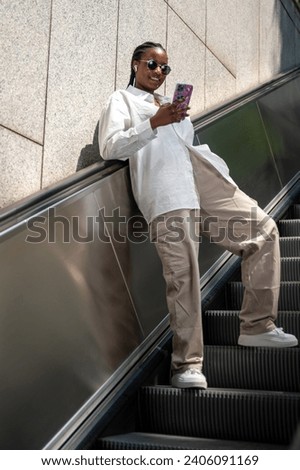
(137, 54)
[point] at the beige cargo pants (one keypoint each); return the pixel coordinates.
(234, 221)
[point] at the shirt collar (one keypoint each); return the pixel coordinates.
(147, 96)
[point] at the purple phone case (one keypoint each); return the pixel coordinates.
(183, 92)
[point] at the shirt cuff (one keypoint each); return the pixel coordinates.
(145, 131)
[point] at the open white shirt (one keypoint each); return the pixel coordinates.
(160, 166)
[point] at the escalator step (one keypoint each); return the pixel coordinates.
(148, 441)
(252, 368)
(289, 246)
(290, 269)
(221, 327)
(294, 212)
(289, 298)
(289, 228)
(220, 414)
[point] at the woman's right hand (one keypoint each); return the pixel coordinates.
(168, 114)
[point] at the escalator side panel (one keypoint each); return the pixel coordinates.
(240, 139)
(135, 253)
(280, 111)
(67, 321)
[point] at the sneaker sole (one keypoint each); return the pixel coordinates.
(254, 342)
(201, 385)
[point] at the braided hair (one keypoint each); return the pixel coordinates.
(137, 54)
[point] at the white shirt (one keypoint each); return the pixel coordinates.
(160, 166)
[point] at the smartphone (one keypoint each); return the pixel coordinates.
(183, 93)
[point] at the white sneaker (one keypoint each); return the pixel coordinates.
(191, 378)
(276, 338)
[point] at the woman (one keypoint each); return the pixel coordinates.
(171, 180)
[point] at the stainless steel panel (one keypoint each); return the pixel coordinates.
(239, 137)
(137, 256)
(280, 111)
(67, 321)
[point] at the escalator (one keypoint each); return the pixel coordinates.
(253, 399)
(85, 339)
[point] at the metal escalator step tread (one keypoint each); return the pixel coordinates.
(252, 368)
(221, 327)
(148, 441)
(259, 416)
(294, 211)
(290, 227)
(290, 269)
(289, 298)
(289, 246)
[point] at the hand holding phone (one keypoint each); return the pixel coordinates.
(182, 96)
(175, 112)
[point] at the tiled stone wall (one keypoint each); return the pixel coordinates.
(61, 59)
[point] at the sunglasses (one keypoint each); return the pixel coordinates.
(152, 65)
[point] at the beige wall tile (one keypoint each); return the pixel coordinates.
(81, 76)
(221, 31)
(193, 13)
(138, 22)
(219, 83)
(270, 39)
(187, 59)
(20, 161)
(247, 45)
(24, 39)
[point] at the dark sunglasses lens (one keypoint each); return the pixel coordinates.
(152, 65)
(165, 69)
